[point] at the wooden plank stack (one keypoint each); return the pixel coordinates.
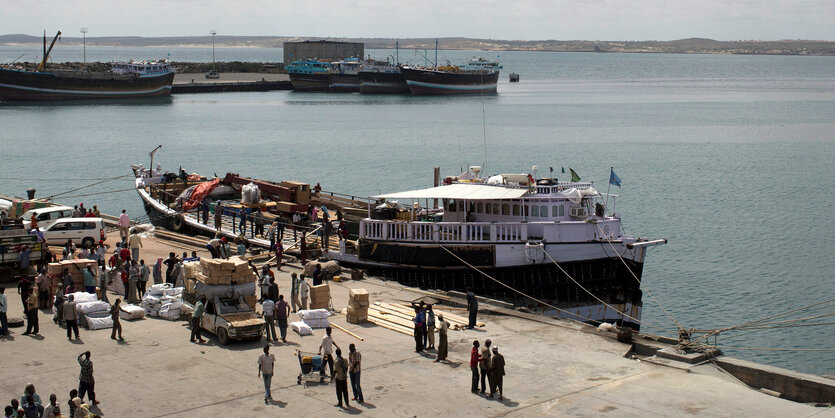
(398, 317)
(358, 303)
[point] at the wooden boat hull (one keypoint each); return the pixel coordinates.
(34, 86)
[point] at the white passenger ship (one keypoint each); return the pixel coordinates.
(529, 235)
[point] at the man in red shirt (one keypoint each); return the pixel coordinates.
(125, 254)
(475, 358)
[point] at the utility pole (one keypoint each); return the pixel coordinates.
(84, 34)
(213, 32)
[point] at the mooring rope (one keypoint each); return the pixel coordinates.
(641, 284)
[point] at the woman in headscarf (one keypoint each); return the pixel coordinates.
(30, 391)
(158, 271)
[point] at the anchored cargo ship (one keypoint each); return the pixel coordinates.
(479, 75)
(309, 75)
(125, 80)
(544, 238)
(381, 77)
(344, 76)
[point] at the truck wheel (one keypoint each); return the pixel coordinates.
(222, 336)
(88, 242)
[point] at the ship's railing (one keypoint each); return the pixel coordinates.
(443, 231)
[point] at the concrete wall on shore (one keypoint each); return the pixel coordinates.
(323, 50)
(791, 385)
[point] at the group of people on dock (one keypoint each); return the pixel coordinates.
(31, 404)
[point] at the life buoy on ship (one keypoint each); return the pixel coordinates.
(178, 222)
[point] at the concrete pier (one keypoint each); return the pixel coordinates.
(229, 82)
(558, 368)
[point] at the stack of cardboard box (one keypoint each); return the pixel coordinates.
(320, 296)
(219, 272)
(357, 306)
(55, 271)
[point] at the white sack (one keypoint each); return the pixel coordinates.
(301, 328)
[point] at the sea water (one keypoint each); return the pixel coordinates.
(729, 157)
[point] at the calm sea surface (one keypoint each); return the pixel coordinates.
(729, 157)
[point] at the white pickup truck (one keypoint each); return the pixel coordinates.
(232, 319)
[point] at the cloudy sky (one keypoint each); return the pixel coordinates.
(508, 19)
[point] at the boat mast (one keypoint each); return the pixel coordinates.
(47, 51)
(436, 52)
(397, 51)
(84, 34)
(213, 32)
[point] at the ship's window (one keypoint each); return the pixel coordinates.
(515, 209)
(461, 206)
(525, 209)
(557, 211)
(535, 210)
(479, 207)
(495, 208)
(505, 209)
(543, 211)
(487, 208)
(451, 206)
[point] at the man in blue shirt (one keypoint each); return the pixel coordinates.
(89, 280)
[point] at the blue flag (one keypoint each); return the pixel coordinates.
(614, 179)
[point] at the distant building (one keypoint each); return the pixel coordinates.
(323, 50)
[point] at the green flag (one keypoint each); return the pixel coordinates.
(574, 176)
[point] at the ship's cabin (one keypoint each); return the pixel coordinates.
(141, 67)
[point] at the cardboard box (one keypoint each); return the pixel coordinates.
(319, 305)
(357, 311)
(356, 319)
(357, 275)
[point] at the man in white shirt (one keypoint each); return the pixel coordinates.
(134, 243)
(327, 346)
(124, 224)
(269, 316)
(304, 289)
(4, 307)
(266, 362)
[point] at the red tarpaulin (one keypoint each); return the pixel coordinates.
(200, 191)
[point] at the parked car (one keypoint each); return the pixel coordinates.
(46, 216)
(84, 231)
(231, 319)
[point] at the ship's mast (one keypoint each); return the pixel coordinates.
(436, 52)
(397, 51)
(47, 51)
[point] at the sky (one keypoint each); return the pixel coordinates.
(491, 19)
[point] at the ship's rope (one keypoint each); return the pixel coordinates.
(100, 193)
(89, 185)
(775, 349)
(592, 294)
(514, 289)
(669, 315)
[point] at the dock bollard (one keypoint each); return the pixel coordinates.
(30, 193)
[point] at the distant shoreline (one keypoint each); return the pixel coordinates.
(682, 46)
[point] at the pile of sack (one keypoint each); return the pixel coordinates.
(250, 194)
(329, 268)
(222, 278)
(163, 300)
(358, 302)
(315, 318)
(301, 328)
(93, 314)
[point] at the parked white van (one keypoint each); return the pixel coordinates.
(46, 216)
(84, 231)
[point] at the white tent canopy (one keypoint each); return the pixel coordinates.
(459, 192)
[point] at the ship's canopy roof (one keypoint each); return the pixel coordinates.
(460, 192)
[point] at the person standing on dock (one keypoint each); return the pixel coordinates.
(339, 373)
(135, 243)
(4, 308)
(282, 311)
(71, 317)
(144, 272)
(497, 373)
(32, 313)
(303, 248)
(296, 220)
(279, 253)
(485, 364)
(304, 289)
(443, 327)
(204, 209)
(242, 217)
(294, 292)
(196, 317)
(259, 220)
(124, 224)
(89, 280)
(115, 311)
(268, 308)
(271, 233)
(133, 282)
(475, 357)
(327, 346)
(86, 381)
(472, 307)
(158, 271)
(430, 326)
(218, 215)
(419, 322)
(170, 262)
(354, 371)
